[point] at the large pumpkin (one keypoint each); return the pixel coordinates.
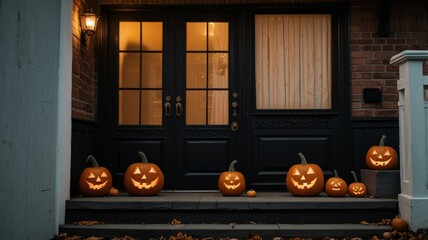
(305, 179)
(357, 189)
(231, 182)
(381, 157)
(143, 178)
(336, 186)
(95, 181)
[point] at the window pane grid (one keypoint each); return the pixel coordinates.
(207, 53)
(144, 105)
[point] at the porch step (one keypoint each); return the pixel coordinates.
(211, 214)
(241, 231)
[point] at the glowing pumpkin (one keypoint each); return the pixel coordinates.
(381, 157)
(143, 178)
(231, 182)
(95, 181)
(357, 189)
(336, 186)
(305, 179)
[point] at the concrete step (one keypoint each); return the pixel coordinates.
(240, 231)
(204, 208)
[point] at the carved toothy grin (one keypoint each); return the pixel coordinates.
(378, 163)
(305, 185)
(145, 185)
(96, 186)
(230, 186)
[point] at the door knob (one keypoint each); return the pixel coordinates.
(178, 107)
(167, 106)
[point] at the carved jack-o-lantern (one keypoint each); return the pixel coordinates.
(232, 182)
(381, 157)
(357, 189)
(95, 181)
(143, 178)
(336, 186)
(305, 179)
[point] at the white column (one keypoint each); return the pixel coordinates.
(413, 123)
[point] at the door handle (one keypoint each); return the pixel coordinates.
(167, 106)
(178, 107)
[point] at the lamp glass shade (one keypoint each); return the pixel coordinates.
(89, 21)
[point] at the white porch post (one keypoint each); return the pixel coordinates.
(413, 107)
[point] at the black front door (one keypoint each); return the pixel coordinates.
(171, 92)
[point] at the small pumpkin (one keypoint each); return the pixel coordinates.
(251, 193)
(305, 179)
(143, 178)
(336, 186)
(113, 191)
(398, 224)
(95, 181)
(381, 157)
(231, 182)
(357, 189)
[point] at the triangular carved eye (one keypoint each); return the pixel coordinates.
(297, 173)
(236, 178)
(137, 171)
(152, 170)
(103, 174)
(311, 171)
(387, 153)
(91, 175)
(227, 177)
(374, 152)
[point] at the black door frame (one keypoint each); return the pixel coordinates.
(342, 161)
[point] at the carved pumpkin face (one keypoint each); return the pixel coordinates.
(357, 189)
(305, 179)
(95, 181)
(381, 157)
(231, 183)
(143, 178)
(336, 186)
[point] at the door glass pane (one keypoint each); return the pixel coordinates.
(129, 36)
(218, 70)
(129, 70)
(218, 36)
(218, 107)
(151, 70)
(196, 36)
(196, 111)
(151, 107)
(293, 61)
(128, 107)
(152, 36)
(140, 73)
(196, 72)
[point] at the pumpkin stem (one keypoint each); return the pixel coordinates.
(143, 157)
(335, 173)
(232, 166)
(302, 159)
(93, 161)
(382, 141)
(355, 176)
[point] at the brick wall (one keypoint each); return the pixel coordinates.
(369, 52)
(85, 77)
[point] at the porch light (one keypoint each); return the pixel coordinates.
(88, 23)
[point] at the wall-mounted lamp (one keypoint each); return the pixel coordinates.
(88, 23)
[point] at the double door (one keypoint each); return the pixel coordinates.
(172, 92)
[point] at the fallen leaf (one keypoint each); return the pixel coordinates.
(87, 223)
(364, 223)
(93, 238)
(175, 222)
